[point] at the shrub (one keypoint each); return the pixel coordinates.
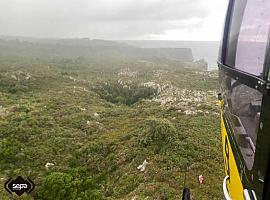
(59, 185)
(10, 152)
(157, 133)
(17, 88)
(128, 94)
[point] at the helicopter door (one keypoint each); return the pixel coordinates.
(243, 55)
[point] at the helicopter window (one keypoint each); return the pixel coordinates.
(236, 20)
(253, 36)
(243, 110)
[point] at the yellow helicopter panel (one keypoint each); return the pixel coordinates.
(233, 180)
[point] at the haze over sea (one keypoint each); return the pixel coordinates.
(207, 50)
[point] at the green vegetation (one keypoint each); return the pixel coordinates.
(124, 93)
(157, 133)
(79, 128)
(59, 185)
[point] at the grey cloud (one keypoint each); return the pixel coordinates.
(109, 19)
(153, 10)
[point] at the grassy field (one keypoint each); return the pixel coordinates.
(96, 121)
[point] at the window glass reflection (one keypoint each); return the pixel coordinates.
(253, 37)
(242, 106)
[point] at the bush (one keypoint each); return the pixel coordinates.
(128, 94)
(14, 89)
(59, 185)
(10, 152)
(157, 133)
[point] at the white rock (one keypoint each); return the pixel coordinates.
(28, 76)
(2, 110)
(190, 112)
(127, 72)
(72, 78)
(134, 198)
(48, 165)
(14, 77)
(143, 166)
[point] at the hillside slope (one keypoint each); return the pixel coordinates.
(72, 48)
(80, 129)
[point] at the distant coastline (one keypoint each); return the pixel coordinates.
(207, 50)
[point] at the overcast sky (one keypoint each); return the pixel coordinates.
(114, 19)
